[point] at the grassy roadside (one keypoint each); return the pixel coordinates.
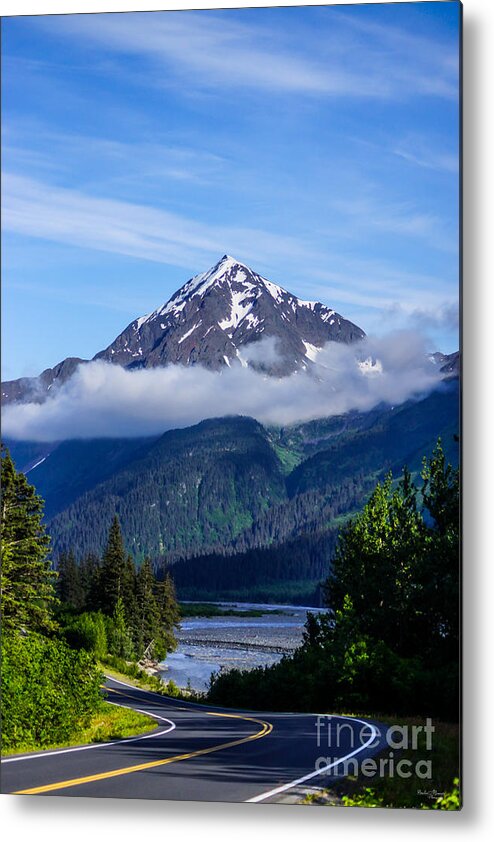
(439, 760)
(134, 675)
(131, 673)
(109, 723)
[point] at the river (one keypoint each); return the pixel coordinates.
(215, 644)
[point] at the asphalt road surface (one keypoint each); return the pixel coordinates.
(199, 753)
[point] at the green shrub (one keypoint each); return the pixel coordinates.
(49, 691)
(172, 689)
(88, 631)
(451, 800)
(130, 668)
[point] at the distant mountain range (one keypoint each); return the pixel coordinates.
(216, 319)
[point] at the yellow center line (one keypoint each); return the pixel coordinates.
(128, 696)
(265, 730)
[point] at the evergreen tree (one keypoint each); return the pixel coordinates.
(129, 592)
(120, 641)
(69, 584)
(90, 575)
(149, 625)
(440, 563)
(119, 638)
(375, 565)
(169, 611)
(27, 581)
(113, 580)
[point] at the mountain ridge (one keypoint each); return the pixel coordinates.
(218, 318)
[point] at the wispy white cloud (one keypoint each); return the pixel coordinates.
(430, 66)
(358, 287)
(418, 151)
(106, 400)
(40, 209)
(429, 153)
(372, 213)
(384, 290)
(444, 316)
(33, 148)
(213, 51)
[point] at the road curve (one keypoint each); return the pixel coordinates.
(198, 753)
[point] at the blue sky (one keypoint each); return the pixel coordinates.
(319, 145)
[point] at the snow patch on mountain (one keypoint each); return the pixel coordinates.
(189, 333)
(311, 351)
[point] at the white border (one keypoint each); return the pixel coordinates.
(53, 7)
(77, 819)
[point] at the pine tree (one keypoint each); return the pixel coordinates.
(376, 562)
(90, 575)
(129, 593)
(149, 626)
(27, 581)
(169, 611)
(119, 638)
(112, 582)
(440, 563)
(69, 584)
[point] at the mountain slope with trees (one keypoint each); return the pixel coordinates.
(230, 495)
(197, 487)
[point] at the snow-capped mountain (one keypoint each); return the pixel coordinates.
(217, 318)
(214, 318)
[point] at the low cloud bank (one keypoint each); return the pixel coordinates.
(103, 400)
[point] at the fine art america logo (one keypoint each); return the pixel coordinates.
(343, 740)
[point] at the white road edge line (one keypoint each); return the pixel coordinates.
(180, 702)
(132, 686)
(324, 769)
(158, 733)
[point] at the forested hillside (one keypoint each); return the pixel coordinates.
(238, 509)
(198, 487)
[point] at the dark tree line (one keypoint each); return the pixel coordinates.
(300, 562)
(290, 543)
(289, 540)
(140, 608)
(217, 489)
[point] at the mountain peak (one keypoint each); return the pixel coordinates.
(216, 319)
(216, 315)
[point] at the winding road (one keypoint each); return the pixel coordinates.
(199, 753)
